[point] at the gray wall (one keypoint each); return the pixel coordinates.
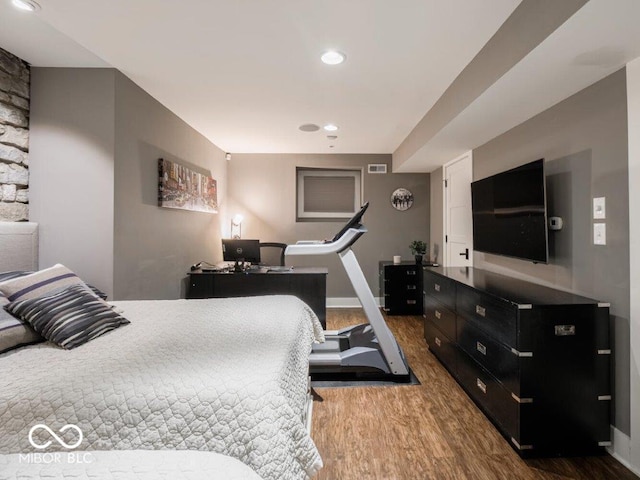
(262, 187)
(437, 215)
(95, 141)
(584, 142)
(153, 246)
(71, 167)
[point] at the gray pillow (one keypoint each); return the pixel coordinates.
(42, 282)
(68, 318)
(14, 332)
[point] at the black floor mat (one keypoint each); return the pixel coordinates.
(339, 380)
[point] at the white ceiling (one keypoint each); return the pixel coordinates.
(247, 73)
(596, 41)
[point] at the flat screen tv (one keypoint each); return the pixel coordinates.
(510, 213)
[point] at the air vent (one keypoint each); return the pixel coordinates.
(377, 168)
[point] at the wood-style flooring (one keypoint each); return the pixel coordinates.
(427, 431)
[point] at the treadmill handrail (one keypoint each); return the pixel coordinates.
(306, 247)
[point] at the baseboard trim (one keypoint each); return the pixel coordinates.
(621, 449)
(347, 302)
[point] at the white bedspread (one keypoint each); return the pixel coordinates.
(128, 465)
(221, 375)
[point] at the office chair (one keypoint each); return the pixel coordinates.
(281, 246)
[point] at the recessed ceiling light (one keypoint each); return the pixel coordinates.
(332, 137)
(333, 57)
(330, 127)
(26, 5)
(331, 146)
(309, 127)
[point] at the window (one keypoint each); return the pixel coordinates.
(325, 194)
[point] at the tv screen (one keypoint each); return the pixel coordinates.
(510, 214)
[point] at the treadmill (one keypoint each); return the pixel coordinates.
(368, 349)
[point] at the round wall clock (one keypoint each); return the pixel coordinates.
(401, 199)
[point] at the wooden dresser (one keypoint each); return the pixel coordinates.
(534, 359)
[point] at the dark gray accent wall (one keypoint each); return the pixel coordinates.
(71, 170)
(437, 215)
(584, 143)
(154, 247)
(262, 187)
(95, 142)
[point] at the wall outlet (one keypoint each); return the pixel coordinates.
(599, 208)
(599, 233)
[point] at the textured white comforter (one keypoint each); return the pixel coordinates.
(221, 375)
(128, 465)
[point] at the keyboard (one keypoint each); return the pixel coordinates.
(278, 269)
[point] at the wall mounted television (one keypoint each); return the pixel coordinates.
(510, 213)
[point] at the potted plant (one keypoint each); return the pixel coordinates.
(418, 248)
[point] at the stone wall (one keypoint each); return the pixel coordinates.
(14, 138)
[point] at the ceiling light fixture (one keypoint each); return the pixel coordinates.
(309, 127)
(333, 57)
(332, 137)
(330, 127)
(26, 5)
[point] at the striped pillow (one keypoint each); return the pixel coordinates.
(14, 274)
(14, 332)
(39, 283)
(68, 318)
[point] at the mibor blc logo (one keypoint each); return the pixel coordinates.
(36, 437)
(62, 443)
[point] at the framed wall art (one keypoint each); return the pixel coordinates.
(182, 188)
(401, 199)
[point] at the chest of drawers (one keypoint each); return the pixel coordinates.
(536, 360)
(401, 288)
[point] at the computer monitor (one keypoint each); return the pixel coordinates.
(240, 251)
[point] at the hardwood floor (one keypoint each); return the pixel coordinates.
(427, 431)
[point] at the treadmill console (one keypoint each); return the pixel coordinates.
(354, 222)
(346, 237)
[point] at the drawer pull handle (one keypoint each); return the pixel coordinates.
(411, 302)
(411, 272)
(436, 287)
(564, 330)
(438, 342)
(480, 384)
(411, 287)
(481, 348)
(480, 311)
(438, 315)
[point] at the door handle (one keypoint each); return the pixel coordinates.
(465, 254)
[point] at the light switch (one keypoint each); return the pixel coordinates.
(599, 233)
(599, 208)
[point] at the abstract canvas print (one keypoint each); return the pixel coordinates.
(181, 187)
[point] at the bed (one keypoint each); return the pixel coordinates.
(130, 465)
(228, 376)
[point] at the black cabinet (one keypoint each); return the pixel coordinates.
(401, 288)
(309, 284)
(536, 360)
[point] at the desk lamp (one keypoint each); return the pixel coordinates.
(236, 222)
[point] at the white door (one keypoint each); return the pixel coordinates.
(458, 226)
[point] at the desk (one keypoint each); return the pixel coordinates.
(309, 284)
